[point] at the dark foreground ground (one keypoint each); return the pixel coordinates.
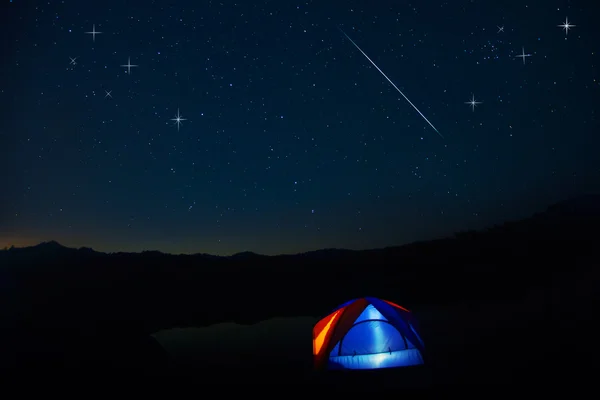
(516, 304)
(547, 339)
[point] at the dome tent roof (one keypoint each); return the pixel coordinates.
(367, 333)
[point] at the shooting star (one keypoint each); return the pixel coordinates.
(390, 81)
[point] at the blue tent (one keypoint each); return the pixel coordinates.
(367, 333)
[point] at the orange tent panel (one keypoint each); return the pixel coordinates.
(323, 329)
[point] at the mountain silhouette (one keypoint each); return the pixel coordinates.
(246, 255)
(586, 206)
(581, 206)
(49, 246)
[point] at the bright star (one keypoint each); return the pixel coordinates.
(73, 60)
(94, 32)
(566, 26)
(500, 29)
(473, 103)
(108, 93)
(178, 119)
(128, 65)
(523, 55)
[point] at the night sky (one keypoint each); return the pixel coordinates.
(290, 139)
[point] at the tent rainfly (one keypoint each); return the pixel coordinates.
(367, 333)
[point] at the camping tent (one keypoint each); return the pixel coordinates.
(367, 333)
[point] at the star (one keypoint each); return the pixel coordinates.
(473, 103)
(129, 65)
(523, 55)
(500, 29)
(566, 26)
(94, 32)
(108, 93)
(73, 60)
(178, 119)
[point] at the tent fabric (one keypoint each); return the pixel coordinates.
(372, 337)
(399, 318)
(370, 313)
(348, 316)
(375, 361)
(345, 304)
(367, 333)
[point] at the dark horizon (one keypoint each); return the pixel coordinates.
(169, 247)
(579, 204)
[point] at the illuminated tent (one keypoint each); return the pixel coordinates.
(367, 333)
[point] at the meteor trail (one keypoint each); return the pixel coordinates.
(390, 81)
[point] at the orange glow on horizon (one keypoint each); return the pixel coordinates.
(8, 241)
